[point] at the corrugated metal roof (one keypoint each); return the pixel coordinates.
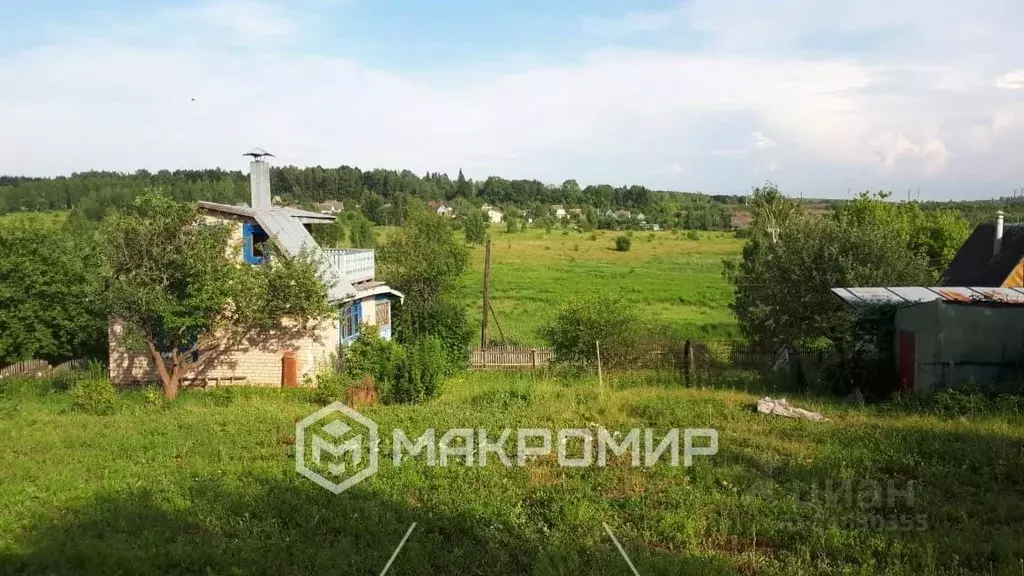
(291, 237)
(858, 297)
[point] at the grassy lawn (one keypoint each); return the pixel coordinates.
(677, 280)
(207, 485)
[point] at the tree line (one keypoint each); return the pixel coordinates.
(381, 195)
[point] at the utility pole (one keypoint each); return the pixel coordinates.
(487, 293)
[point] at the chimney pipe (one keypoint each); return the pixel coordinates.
(998, 242)
(259, 183)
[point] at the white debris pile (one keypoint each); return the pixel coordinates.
(780, 407)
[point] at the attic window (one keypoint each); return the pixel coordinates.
(253, 239)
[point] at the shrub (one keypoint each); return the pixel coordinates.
(330, 386)
(580, 323)
(692, 235)
(403, 374)
(592, 237)
(623, 244)
(94, 396)
(511, 225)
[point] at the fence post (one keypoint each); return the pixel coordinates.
(533, 357)
(600, 378)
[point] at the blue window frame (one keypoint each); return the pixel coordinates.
(253, 239)
(351, 318)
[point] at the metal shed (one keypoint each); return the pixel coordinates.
(948, 336)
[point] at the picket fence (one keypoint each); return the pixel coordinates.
(40, 368)
(510, 357)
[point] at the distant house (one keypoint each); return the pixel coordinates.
(992, 256)
(622, 214)
(559, 211)
(494, 215)
(352, 288)
(640, 216)
(446, 211)
(331, 207)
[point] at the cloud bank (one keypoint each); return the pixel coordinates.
(816, 99)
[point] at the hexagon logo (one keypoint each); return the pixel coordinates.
(329, 448)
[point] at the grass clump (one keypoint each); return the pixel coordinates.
(623, 244)
(95, 396)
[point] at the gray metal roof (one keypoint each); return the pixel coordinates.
(858, 297)
(243, 210)
(291, 237)
(284, 226)
(236, 210)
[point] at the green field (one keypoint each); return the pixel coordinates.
(677, 281)
(207, 485)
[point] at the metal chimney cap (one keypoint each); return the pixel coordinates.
(257, 153)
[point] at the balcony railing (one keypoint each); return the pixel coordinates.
(357, 265)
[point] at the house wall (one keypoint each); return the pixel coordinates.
(258, 361)
(1016, 277)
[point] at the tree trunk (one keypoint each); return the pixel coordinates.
(172, 385)
(168, 380)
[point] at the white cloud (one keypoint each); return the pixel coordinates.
(761, 141)
(1011, 80)
(617, 115)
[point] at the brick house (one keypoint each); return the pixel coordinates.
(360, 298)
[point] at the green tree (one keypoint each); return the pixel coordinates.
(475, 227)
(580, 323)
(49, 291)
(783, 286)
(425, 261)
(360, 233)
(773, 212)
(181, 294)
(511, 224)
(463, 187)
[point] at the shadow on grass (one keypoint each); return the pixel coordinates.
(293, 527)
(903, 500)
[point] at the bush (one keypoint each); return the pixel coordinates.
(330, 386)
(580, 323)
(623, 244)
(94, 396)
(404, 374)
(692, 235)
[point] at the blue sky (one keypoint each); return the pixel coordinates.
(709, 95)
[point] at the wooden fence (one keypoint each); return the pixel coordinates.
(40, 368)
(510, 357)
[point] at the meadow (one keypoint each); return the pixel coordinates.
(676, 280)
(207, 485)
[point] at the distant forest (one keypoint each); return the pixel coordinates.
(381, 194)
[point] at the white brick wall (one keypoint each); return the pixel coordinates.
(258, 361)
